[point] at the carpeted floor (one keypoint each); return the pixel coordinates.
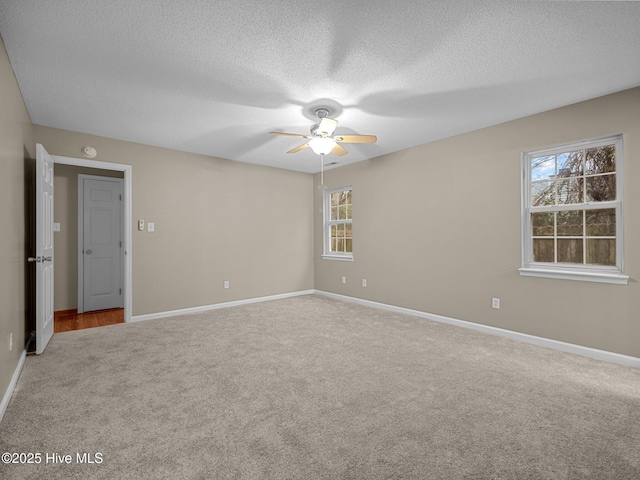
(314, 388)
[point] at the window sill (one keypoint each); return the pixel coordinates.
(341, 258)
(601, 277)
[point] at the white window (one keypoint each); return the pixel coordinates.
(572, 212)
(338, 237)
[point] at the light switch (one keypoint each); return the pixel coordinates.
(151, 227)
(56, 227)
(141, 225)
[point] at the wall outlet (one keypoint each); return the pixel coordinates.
(226, 284)
(495, 302)
(56, 227)
(364, 282)
(11, 341)
(141, 225)
(344, 279)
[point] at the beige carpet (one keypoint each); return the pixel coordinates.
(314, 388)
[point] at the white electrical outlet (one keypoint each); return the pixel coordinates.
(364, 282)
(344, 279)
(226, 284)
(10, 341)
(141, 225)
(495, 302)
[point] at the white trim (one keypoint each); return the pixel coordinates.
(216, 306)
(614, 278)
(342, 258)
(128, 215)
(12, 385)
(523, 337)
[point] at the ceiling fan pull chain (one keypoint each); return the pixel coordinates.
(322, 169)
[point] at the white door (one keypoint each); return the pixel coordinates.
(44, 248)
(101, 245)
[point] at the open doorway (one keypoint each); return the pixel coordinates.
(71, 312)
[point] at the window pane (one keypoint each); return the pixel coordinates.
(347, 230)
(569, 250)
(340, 230)
(570, 223)
(335, 199)
(342, 212)
(348, 212)
(542, 194)
(570, 164)
(570, 191)
(601, 251)
(334, 213)
(601, 188)
(543, 168)
(349, 197)
(543, 250)
(542, 224)
(348, 245)
(601, 160)
(601, 223)
(333, 244)
(334, 230)
(339, 245)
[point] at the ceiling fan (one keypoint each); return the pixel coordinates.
(322, 139)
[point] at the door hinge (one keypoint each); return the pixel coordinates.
(120, 291)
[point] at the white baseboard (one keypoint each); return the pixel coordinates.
(523, 337)
(12, 385)
(206, 308)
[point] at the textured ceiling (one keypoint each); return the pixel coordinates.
(214, 77)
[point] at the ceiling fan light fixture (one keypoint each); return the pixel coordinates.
(327, 126)
(322, 145)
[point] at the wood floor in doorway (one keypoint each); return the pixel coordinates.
(69, 320)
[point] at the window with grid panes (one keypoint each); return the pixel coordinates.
(338, 236)
(572, 218)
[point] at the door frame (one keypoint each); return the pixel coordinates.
(81, 257)
(128, 215)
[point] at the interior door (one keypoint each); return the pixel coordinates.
(102, 243)
(44, 248)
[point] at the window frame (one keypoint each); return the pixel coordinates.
(581, 272)
(327, 223)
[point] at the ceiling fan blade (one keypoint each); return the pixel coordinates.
(356, 138)
(298, 135)
(339, 150)
(297, 149)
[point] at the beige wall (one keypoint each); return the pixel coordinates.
(437, 229)
(16, 147)
(66, 240)
(215, 220)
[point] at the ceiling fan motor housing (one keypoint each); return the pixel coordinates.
(322, 112)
